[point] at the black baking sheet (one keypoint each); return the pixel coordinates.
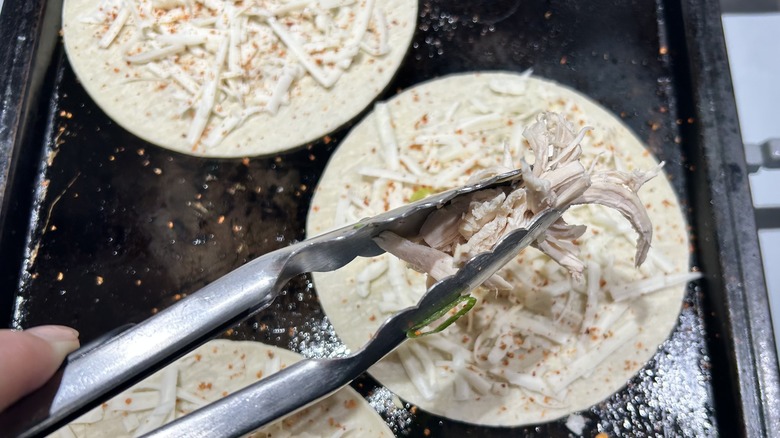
(100, 228)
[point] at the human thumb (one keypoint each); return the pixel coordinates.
(31, 357)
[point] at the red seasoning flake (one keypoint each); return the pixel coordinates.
(423, 121)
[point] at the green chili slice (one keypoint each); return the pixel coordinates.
(415, 332)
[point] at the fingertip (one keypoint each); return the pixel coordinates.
(61, 339)
(54, 332)
(30, 358)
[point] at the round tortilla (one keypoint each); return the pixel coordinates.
(150, 111)
(610, 244)
(218, 368)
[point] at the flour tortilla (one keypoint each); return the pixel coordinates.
(356, 319)
(151, 113)
(220, 367)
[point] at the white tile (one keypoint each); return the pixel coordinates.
(770, 253)
(753, 43)
(754, 56)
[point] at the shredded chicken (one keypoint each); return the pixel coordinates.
(474, 224)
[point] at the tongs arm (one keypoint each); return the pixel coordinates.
(310, 380)
(95, 373)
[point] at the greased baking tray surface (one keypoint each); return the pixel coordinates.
(101, 229)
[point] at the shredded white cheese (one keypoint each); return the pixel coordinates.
(205, 375)
(415, 370)
(371, 273)
(552, 329)
(641, 287)
(228, 56)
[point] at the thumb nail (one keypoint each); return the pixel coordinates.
(62, 339)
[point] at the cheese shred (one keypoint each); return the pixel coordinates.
(237, 54)
(536, 333)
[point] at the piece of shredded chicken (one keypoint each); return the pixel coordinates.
(557, 179)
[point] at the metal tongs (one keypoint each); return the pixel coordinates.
(96, 372)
